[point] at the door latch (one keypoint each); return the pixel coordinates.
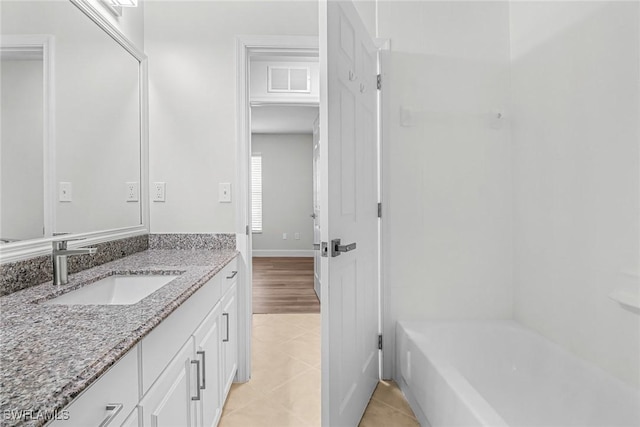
(337, 248)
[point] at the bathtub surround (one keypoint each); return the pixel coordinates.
(447, 182)
(192, 241)
(20, 275)
(575, 68)
(69, 347)
(534, 216)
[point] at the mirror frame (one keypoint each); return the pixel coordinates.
(18, 251)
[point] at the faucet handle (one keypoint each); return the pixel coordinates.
(61, 244)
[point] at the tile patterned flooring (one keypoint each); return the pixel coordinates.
(284, 390)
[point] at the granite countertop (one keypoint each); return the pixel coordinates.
(50, 353)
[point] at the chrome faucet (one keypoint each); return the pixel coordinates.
(59, 255)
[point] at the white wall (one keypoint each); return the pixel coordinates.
(191, 46)
(131, 23)
(447, 174)
(447, 180)
(286, 191)
(576, 159)
(367, 11)
(21, 150)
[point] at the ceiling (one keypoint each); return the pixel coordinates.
(283, 119)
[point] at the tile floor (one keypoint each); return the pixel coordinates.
(284, 390)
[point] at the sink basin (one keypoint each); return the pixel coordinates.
(115, 290)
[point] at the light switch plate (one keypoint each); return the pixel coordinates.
(65, 192)
(224, 192)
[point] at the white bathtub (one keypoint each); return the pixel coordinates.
(497, 373)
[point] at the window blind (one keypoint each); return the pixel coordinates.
(256, 193)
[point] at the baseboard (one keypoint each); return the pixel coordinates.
(282, 253)
(413, 403)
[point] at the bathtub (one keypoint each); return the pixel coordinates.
(497, 373)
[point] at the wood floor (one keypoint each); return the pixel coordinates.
(284, 285)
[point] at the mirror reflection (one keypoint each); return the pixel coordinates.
(70, 148)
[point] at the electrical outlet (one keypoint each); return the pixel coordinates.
(65, 193)
(159, 191)
(284, 236)
(224, 192)
(296, 236)
(132, 192)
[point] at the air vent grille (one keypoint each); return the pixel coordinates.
(289, 79)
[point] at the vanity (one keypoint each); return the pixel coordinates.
(138, 336)
(168, 359)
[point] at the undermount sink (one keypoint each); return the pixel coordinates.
(118, 289)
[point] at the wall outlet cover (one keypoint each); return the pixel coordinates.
(133, 193)
(158, 191)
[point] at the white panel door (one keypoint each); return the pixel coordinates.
(350, 295)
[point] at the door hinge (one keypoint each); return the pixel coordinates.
(379, 210)
(246, 230)
(379, 81)
(380, 342)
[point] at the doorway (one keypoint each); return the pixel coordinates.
(282, 212)
(284, 100)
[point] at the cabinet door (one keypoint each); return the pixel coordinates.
(168, 403)
(132, 419)
(207, 339)
(229, 325)
(118, 387)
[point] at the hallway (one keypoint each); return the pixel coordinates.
(283, 285)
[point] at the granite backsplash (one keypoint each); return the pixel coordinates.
(192, 241)
(19, 275)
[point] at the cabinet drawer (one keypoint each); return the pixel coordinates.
(119, 385)
(229, 275)
(164, 341)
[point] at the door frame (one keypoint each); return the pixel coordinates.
(245, 47)
(22, 46)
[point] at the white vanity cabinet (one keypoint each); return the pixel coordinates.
(168, 402)
(229, 321)
(207, 340)
(191, 390)
(109, 400)
(179, 374)
(188, 392)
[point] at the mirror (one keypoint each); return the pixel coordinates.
(72, 143)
